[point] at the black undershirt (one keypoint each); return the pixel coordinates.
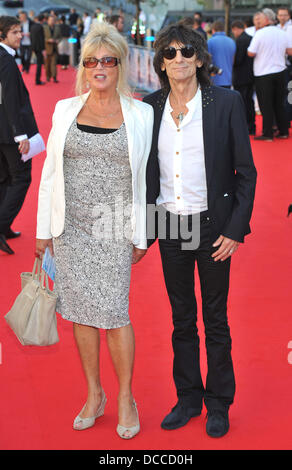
(95, 130)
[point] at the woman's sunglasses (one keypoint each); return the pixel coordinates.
(186, 51)
(91, 62)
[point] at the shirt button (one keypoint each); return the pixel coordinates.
(178, 130)
(177, 176)
(178, 197)
(177, 153)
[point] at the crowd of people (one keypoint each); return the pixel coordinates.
(256, 60)
(45, 38)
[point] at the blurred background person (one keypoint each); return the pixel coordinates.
(37, 37)
(257, 24)
(25, 45)
(52, 38)
(242, 76)
(87, 20)
(222, 49)
(269, 47)
(284, 18)
(63, 45)
(117, 21)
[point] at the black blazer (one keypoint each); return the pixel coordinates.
(230, 170)
(37, 37)
(243, 64)
(16, 114)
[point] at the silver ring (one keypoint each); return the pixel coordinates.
(230, 252)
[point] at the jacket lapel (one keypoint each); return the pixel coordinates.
(209, 130)
(130, 125)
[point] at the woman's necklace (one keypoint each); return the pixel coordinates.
(102, 118)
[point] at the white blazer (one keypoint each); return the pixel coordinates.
(138, 118)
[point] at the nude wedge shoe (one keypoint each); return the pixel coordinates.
(133, 430)
(84, 423)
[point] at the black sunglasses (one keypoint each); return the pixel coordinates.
(187, 51)
(91, 62)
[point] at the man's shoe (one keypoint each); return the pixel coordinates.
(10, 234)
(179, 416)
(217, 423)
(56, 81)
(282, 136)
(40, 83)
(4, 245)
(264, 138)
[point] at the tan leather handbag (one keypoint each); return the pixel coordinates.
(33, 314)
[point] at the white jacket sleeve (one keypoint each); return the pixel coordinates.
(141, 208)
(46, 188)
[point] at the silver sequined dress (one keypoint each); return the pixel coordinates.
(93, 254)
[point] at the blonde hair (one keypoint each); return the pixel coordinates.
(104, 34)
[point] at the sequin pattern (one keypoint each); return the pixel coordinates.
(93, 271)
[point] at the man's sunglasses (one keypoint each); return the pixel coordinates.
(91, 62)
(186, 51)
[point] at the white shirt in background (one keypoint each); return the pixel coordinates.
(183, 186)
(269, 44)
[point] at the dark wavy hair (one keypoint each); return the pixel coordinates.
(183, 35)
(6, 22)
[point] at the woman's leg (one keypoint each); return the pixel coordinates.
(87, 340)
(121, 344)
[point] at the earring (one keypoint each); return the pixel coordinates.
(87, 85)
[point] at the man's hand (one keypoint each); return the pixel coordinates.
(24, 146)
(226, 248)
(41, 246)
(137, 254)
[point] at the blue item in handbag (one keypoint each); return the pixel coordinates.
(49, 265)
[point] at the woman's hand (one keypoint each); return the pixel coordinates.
(41, 245)
(137, 254)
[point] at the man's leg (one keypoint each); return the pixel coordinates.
(20, 179)
(264, 91)
(178, 268)
(280, 95)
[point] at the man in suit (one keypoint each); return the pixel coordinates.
(38, 45)
(243, 78)
(17, 125)
(201, 178)
(52, 38)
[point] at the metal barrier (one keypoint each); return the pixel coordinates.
(141, 71)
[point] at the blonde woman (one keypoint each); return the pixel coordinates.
(92, 190)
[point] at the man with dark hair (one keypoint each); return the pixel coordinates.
(17, 125)
(222, 49)
(284, 18)
(38, 45)
(201, 179)
(117, 21)
(243, 78)
(52, 38)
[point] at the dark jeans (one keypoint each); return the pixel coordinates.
(15, 178)
(39, 63)
(271, 92)
(178, 268)
(246, 92)
(25, 54)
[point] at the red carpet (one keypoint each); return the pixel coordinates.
(42, 389)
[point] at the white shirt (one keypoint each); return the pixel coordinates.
(250, 30)
(269, 44)
(183, 185)
(25, 41)
(8, 49)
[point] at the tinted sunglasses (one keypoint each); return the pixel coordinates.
(91, 62)
(187, 51)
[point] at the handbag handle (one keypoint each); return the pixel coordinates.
(37, 266)
(44, 277)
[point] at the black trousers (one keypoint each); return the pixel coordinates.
(271, 92)
(178, 268)
(25, 54)
(246, 92)
(39, 63)
(15, 179)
